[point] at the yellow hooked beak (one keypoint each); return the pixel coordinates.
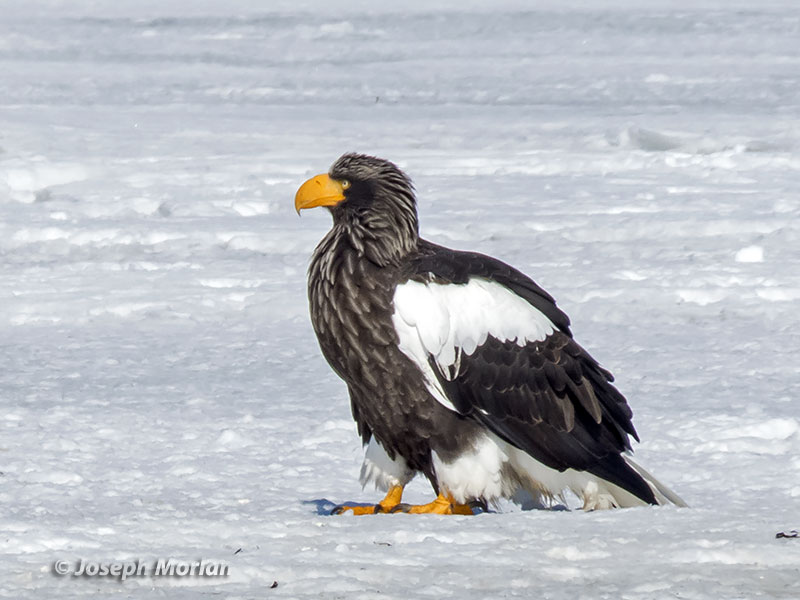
(320, 190)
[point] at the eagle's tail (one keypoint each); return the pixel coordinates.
(599, 489)
(603, 488)
(663, 494)
(620, 482)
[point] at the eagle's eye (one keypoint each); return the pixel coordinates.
(345, 184)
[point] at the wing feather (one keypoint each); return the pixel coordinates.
(493, 347)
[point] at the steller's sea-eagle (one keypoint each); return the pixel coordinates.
(458, 365)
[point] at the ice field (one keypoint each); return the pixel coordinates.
(162, 393)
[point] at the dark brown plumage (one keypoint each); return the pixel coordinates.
(458, 365)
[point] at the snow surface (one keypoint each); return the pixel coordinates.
(162, 392)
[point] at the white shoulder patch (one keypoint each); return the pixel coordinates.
(447, 320)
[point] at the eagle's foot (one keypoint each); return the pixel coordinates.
(392, 499)
(357, 510)
(442, 505)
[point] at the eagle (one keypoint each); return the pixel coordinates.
(458, 366)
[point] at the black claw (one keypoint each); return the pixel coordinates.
(341, 508)
(479, 504)
(402, 507)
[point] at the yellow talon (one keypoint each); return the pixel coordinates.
(443, 504)
(392, 499)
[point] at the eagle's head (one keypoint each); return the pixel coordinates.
(371, 200)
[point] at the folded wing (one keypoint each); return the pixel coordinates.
(492, 346)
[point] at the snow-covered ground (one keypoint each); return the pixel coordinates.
(161, 390)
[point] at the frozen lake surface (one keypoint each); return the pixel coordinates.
(161, 389)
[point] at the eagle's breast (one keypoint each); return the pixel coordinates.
(351, 310)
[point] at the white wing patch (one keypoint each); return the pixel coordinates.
(448, 320)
